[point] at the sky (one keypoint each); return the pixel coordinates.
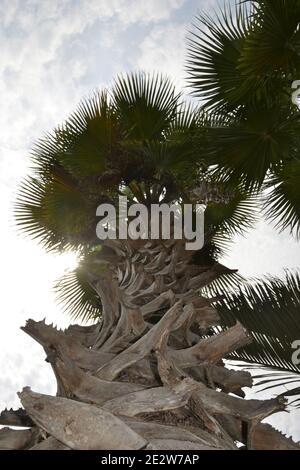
(54, 52)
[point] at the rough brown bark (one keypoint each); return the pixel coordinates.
(149, 375)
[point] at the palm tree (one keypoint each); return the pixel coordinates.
(148, 372)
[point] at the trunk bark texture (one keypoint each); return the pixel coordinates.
(148, 375)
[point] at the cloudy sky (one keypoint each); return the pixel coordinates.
(54, 52)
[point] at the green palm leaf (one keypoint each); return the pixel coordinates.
(89, 137)
(57, 214)
(246, 54)
(77, 297)
(282, 201)
(146, 104)
(214, 49)
(246, 145)
(235, 215)
(273, 45)
(270, 310)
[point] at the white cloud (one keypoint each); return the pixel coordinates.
(39, 81)
(264, 251)
(164, 49)
(145, 11)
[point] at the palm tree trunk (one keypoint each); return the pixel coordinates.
(149, 375)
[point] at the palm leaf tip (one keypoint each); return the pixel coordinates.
(146, 103)
(77, 297)
(270, 311)
(214, 50)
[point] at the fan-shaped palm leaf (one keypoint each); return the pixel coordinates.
(236, 215)
(214, 49)
(245, 145)
(272, 47)
(146, 104)
(282, 201)
(270, 310)
(77, 297)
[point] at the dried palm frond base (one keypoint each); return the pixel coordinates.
(144, 377)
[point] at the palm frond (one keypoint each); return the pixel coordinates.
(235, 215)
(246, 145)
(146, 104)
(185, 119)
(55, 213)
(77, 297)
(270, 311)
(215, 45)
(90, 137)
(293, 392)
(245, 54)
(211, 254)
(282, 201)
(83, 144)
(228, 282)
(273, 45)
(281, 382)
